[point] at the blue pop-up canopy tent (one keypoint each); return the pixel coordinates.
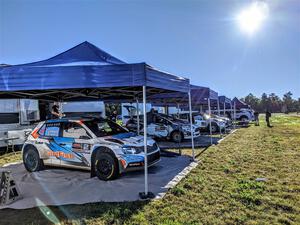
(225, 103)
(224, 100)
(86, 72)
(238, 104)
(87, 69)
(199, 96)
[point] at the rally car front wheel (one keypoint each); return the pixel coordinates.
(177, 136)
(214, 128)
(106, 166)
(31, 160)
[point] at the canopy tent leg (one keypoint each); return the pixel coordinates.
(60, 108)
(178, 110)
(146, 194)
(218, 103)
(219, 113)
(191, 124)
(167, 110)
(234, 114)
(209, 112)
(224, 114)
(19, 108)
(138, 116)
(178, 116)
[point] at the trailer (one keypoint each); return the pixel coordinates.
(17, 118)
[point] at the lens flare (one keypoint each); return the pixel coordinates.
(252, 18)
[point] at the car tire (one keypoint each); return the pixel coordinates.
(106, 166)
(177, 136)
(243, 118)
(32, 160)
(214, 128)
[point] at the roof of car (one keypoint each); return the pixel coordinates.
(68, 119)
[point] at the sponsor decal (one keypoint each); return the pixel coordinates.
(61, 154)
(35, 134)
(81, 148)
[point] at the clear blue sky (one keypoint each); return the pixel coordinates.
(198, 39)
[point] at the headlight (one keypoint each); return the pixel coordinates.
(186, 128)
(128, 150)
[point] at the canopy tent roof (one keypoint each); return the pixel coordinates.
(199, 96)
(239, 104)
(223, 99)
(82, 54)
(106, 78)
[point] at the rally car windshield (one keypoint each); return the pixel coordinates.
(172, 118)
(103, 127)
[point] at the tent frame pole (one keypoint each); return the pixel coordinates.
(209, 112)
(138, 116)
(60, 107)
(218, 103)
(191, 124)
(234, 114)
(146, 194)
(224, 115)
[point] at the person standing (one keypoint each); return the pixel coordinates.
(113, 116)
(256, 118)
(150, 116)
(55, 114)
(268, 115)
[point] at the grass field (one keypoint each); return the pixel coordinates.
(222, 190)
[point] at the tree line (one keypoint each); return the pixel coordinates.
(273, 103)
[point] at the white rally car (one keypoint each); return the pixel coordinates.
(95, 144)
(216, 123)
(167, 127)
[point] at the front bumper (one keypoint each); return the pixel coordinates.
(137, 162)
(188, 135)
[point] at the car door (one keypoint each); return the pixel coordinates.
(75, 144)
(156, 128)
(46, 144)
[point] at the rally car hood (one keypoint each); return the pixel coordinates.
(127, 139)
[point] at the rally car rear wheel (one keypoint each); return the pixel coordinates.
(32, 161)
(106, 167)
(177, 136)
(243, 118)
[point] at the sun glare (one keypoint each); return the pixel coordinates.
(251, 18)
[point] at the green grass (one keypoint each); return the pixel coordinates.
(221, 190)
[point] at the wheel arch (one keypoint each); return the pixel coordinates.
(213, 123)
(177, 130)
(27, 146)
(244, 116)
(103, 149)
